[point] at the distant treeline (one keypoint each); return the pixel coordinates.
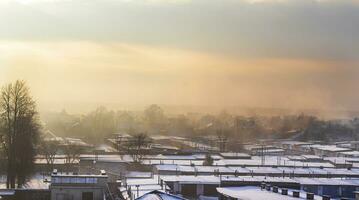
(101, 123)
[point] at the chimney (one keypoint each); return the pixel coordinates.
(326, 197)
(263, 186)
(268, 187)
(310, 196)
(296, 194)
(275, 189)
(356, 195)
(284, 191)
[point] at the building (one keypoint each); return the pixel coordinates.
(326, 150)
(192, 187)
(335, 188)
(293, 146)
(79, 187)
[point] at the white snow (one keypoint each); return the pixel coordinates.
(255, 193)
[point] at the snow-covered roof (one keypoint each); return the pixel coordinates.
(234, 154)
(57, 161)
(342, 160)
(159, 195)
(259, 170)
(327, 181)
(350, 153)
(254, 193)
(106, 158)
(270, 161)
(258, 179)
(295, 143)
(173, 162)
(192, 179)
(7, 192)
(297, 158)
(308, 157)
(176, 157)
(143, 181)
(331, 148)
(137, 174)
(105, 148)
(264, 170)
(200, 169)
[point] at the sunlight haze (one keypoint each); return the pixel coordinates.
(265, 53)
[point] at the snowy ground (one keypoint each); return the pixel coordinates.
(36, 181)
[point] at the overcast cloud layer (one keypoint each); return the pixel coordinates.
(287, 28)
(292, 53)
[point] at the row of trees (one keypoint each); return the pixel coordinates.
(19, 131)
(102, 122)
(49, 149)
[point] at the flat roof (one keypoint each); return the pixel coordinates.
(332, 148)
(350, 153)
(311, 157)
(295, 143)
(192, 179)
(78, 175)
(234, 154)
(254, 193)
(259, 179)
(7, 192)
(328, 181)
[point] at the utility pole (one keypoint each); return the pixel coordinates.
(263, 154)
(138, 192)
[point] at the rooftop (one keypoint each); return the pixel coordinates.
(254, 193)
(159, 195)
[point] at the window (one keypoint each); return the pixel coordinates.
(66, 180)
(91, 180)
(87, 196)
(81, 180)
(55, 180)
(62, 197)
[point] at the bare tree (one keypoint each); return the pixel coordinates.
(49, 149)
(19, 129)
(138, 145)
(154, 118)
(72, 153)
(208, 161)
(222, 137)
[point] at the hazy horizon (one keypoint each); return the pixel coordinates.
(290, 54)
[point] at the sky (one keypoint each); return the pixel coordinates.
(297, 54)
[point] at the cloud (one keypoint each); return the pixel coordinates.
(293, 28)
(292, 53)
(92, 72)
